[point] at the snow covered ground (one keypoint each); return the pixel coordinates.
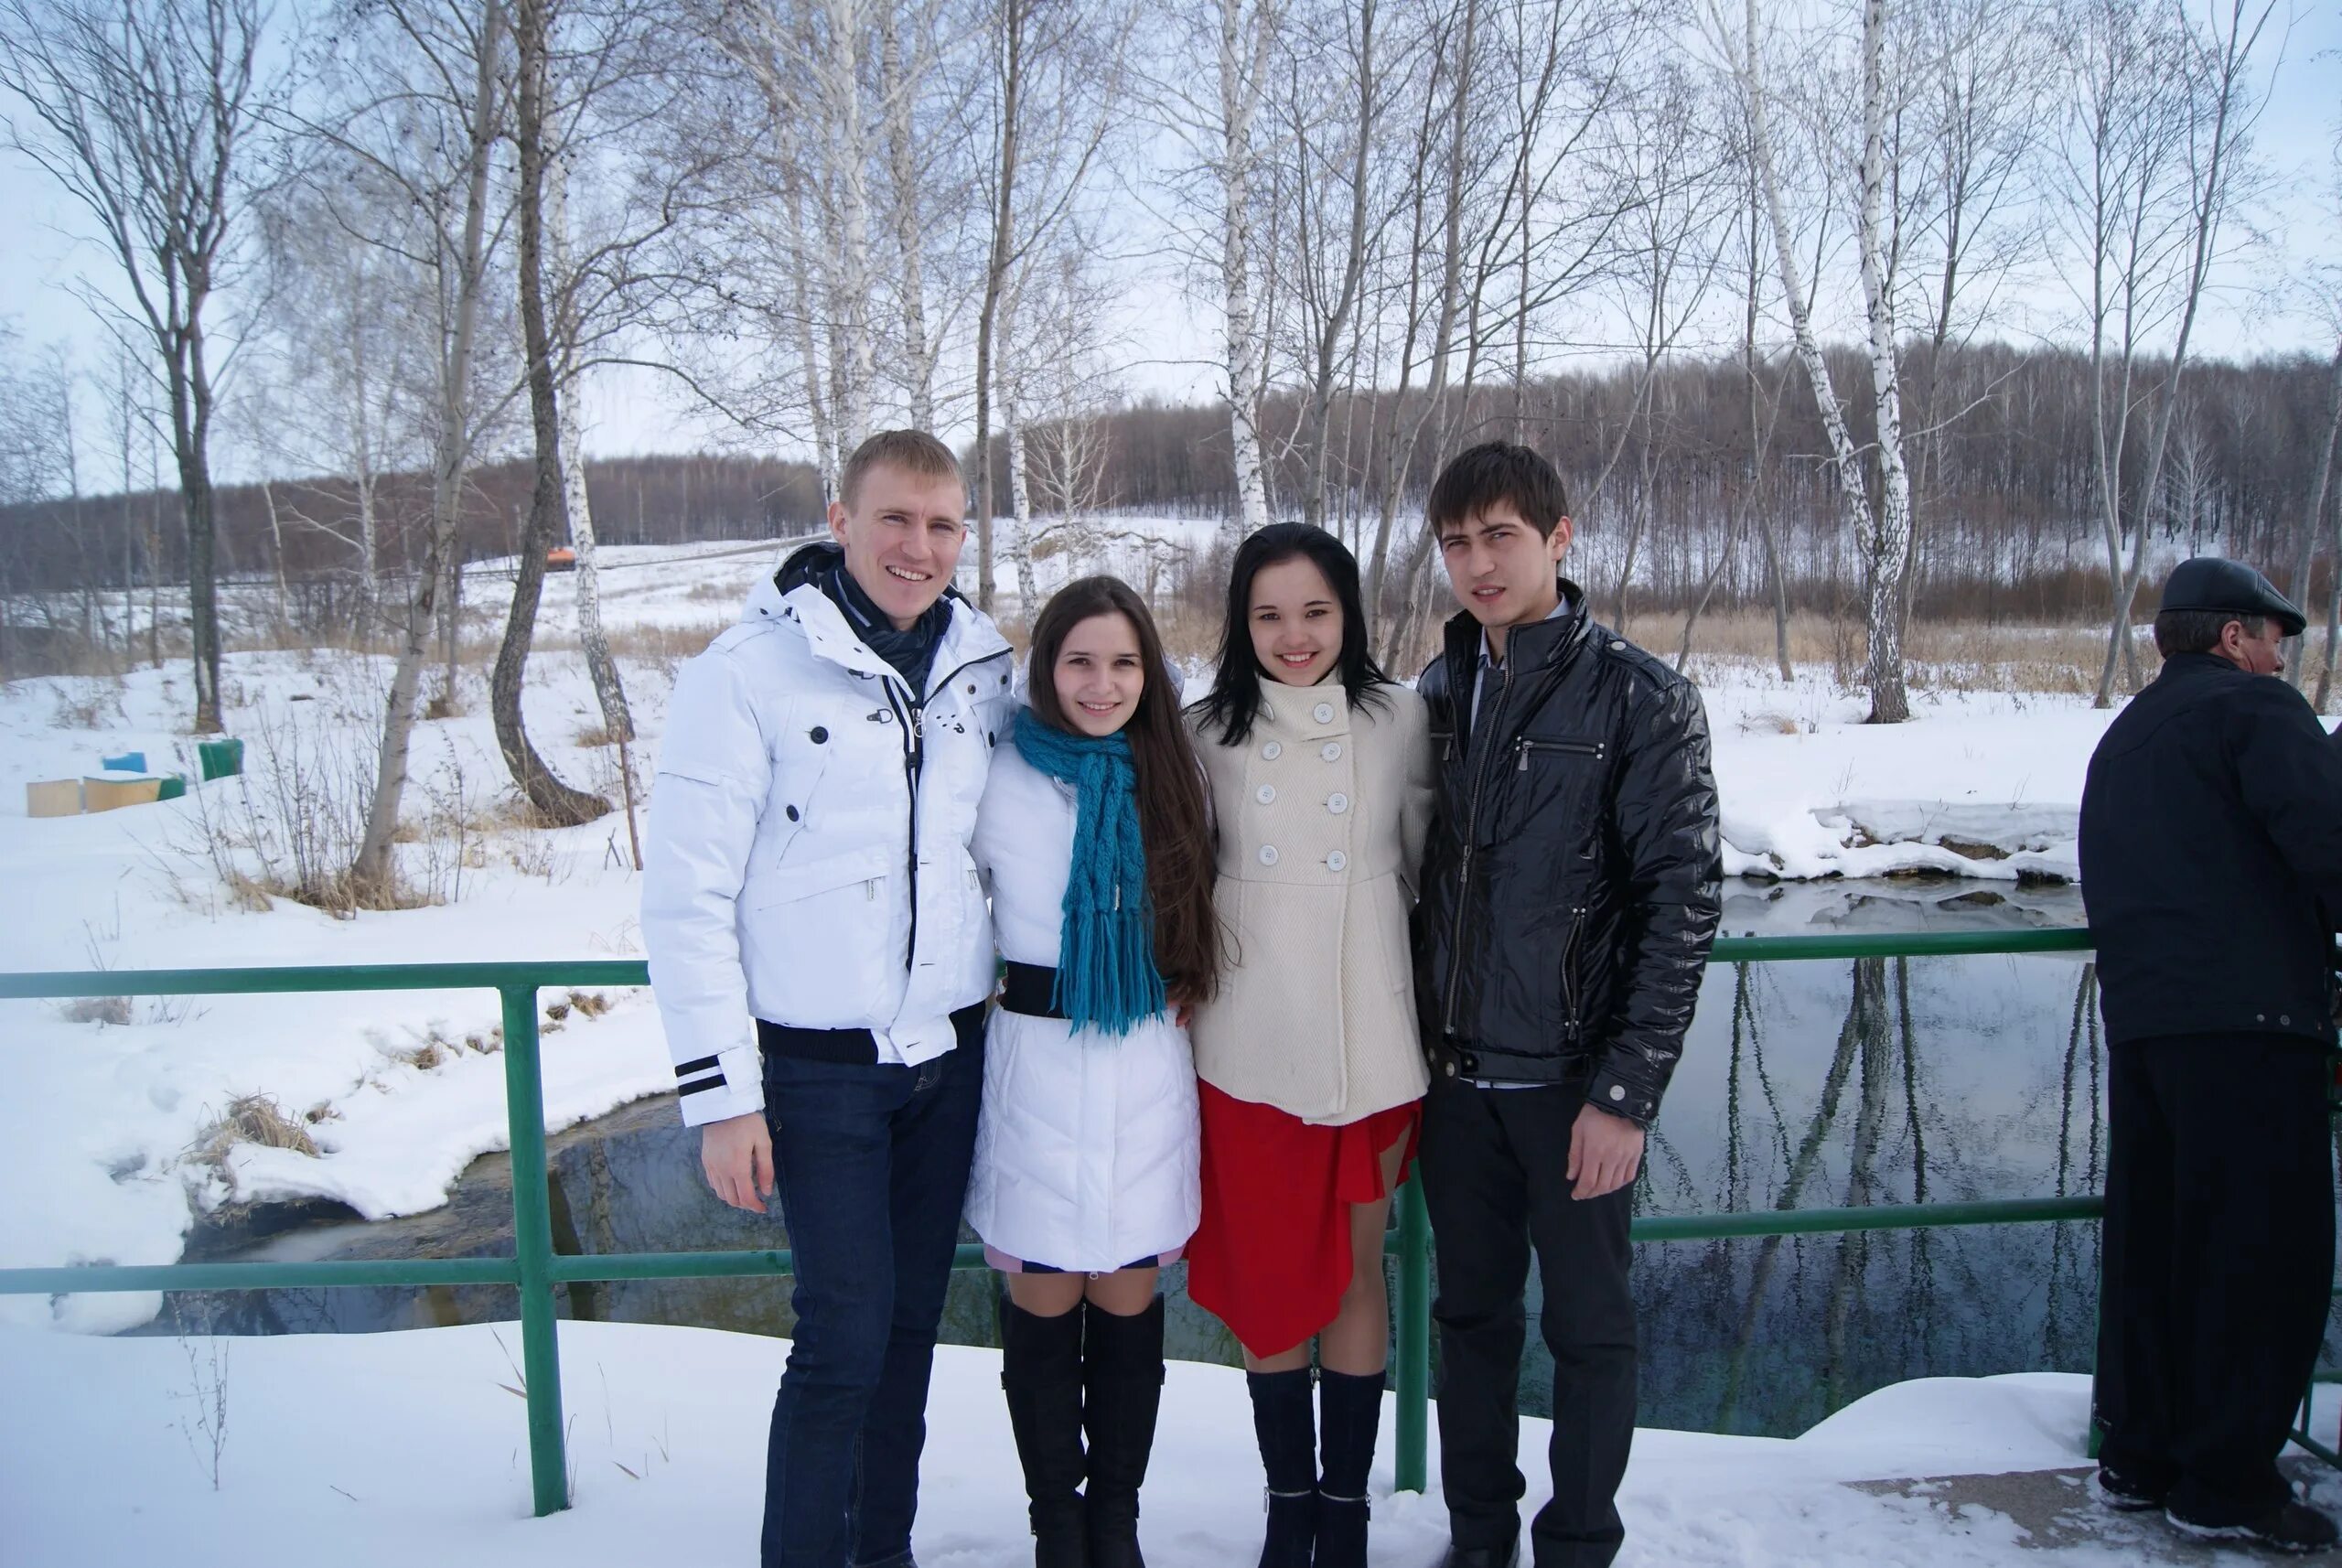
(107, 1118)
(399, 1448)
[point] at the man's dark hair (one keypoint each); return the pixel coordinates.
(2198, 631)
(913, 451)
(1497, 473)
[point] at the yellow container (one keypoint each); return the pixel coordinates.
(106, 794)
(55, 797)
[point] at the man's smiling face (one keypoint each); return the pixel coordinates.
(902, 533)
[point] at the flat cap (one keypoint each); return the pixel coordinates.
(2210, 582)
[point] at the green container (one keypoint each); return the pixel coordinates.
(174, 787)
(220, 758)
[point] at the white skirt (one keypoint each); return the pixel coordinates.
(1088, 1153)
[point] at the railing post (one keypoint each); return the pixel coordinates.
(1415, 1335)
(524, 1105)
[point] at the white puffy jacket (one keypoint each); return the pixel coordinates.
(1088, 1155)
(808, 858)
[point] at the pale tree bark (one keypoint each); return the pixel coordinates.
(1852, 502)
(556, 803)
(900, 82)
(2313, 521)
(137, 110)
(460, 263)
(609, 692)
(1888, 539)
(1336, 320)
(836, 65)
(1246, 27)
(1009, 64)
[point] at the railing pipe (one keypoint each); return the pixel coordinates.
(532, 1250)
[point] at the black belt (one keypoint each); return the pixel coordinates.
(853, 1047)
(1031, 989)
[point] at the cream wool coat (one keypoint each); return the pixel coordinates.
(1321, 815)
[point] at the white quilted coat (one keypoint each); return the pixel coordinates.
(790, 873)
(1086, 1157)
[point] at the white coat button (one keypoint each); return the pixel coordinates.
(1617, 1091)
(1332, 751)
(1268, 854)
(1337, 803)
(1323, 712)
(1336, 860)
(1272, 750)
(1265, 793)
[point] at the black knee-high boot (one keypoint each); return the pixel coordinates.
(1349, 1412)
(1040, 1372)
(1288, 1429)
(1121, 1389)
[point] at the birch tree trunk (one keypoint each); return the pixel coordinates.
(609, 693)
(1853, 503)
(555, 802)
(371, 872)
(1887, 542)
(1005, 132)
(1244, 32)
(2296, 666)
(898, 86)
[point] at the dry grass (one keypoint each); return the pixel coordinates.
(255, 1119)
(113, 1010)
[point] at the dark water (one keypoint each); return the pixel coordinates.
(1806, 1085)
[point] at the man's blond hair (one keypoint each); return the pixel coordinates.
(914, 452)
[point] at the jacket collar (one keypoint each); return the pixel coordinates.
(1528, 649)
(794, 599)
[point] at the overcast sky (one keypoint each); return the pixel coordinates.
(1164, 338)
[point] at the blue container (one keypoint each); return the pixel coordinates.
(128, 762)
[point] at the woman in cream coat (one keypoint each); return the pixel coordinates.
(1312, 1076)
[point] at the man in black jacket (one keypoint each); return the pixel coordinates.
(1570, 894)
(2211, 862)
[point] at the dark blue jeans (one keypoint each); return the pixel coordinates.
(872, 1167)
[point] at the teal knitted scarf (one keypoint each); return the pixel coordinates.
(1106, 975)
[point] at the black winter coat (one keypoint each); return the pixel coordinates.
(2211, 858)
(1571, 886)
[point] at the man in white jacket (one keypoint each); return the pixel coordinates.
(822, 951)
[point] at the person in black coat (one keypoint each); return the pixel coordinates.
(1571, 892)
(2211, 865)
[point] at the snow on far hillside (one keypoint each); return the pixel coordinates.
(397, 1091)
(407, 1447)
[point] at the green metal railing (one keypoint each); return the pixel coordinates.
(535, 1269)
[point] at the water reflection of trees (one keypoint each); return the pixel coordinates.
(1771, 1334)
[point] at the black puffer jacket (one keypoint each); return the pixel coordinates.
(2211, 858)
(1571, 883)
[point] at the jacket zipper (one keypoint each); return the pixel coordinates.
(1471, 838)
(914, 719)
(1567, 747)
(1569, 974)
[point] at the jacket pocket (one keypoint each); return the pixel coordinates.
(791, 883)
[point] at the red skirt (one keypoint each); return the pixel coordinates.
(1271, 1256)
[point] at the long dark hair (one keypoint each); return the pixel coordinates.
(1234, 700)
(1172, 821)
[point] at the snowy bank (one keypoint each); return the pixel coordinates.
(399, 1448)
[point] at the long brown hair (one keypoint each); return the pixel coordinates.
(1168, 782)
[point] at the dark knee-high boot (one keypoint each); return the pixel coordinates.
(1349, 1412)
(1040, 1372)
(1288, 1429)
(1122, 1392)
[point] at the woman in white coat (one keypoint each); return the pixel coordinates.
(1322, 783)
(1093, 828)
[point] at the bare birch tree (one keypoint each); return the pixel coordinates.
(140, 109)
